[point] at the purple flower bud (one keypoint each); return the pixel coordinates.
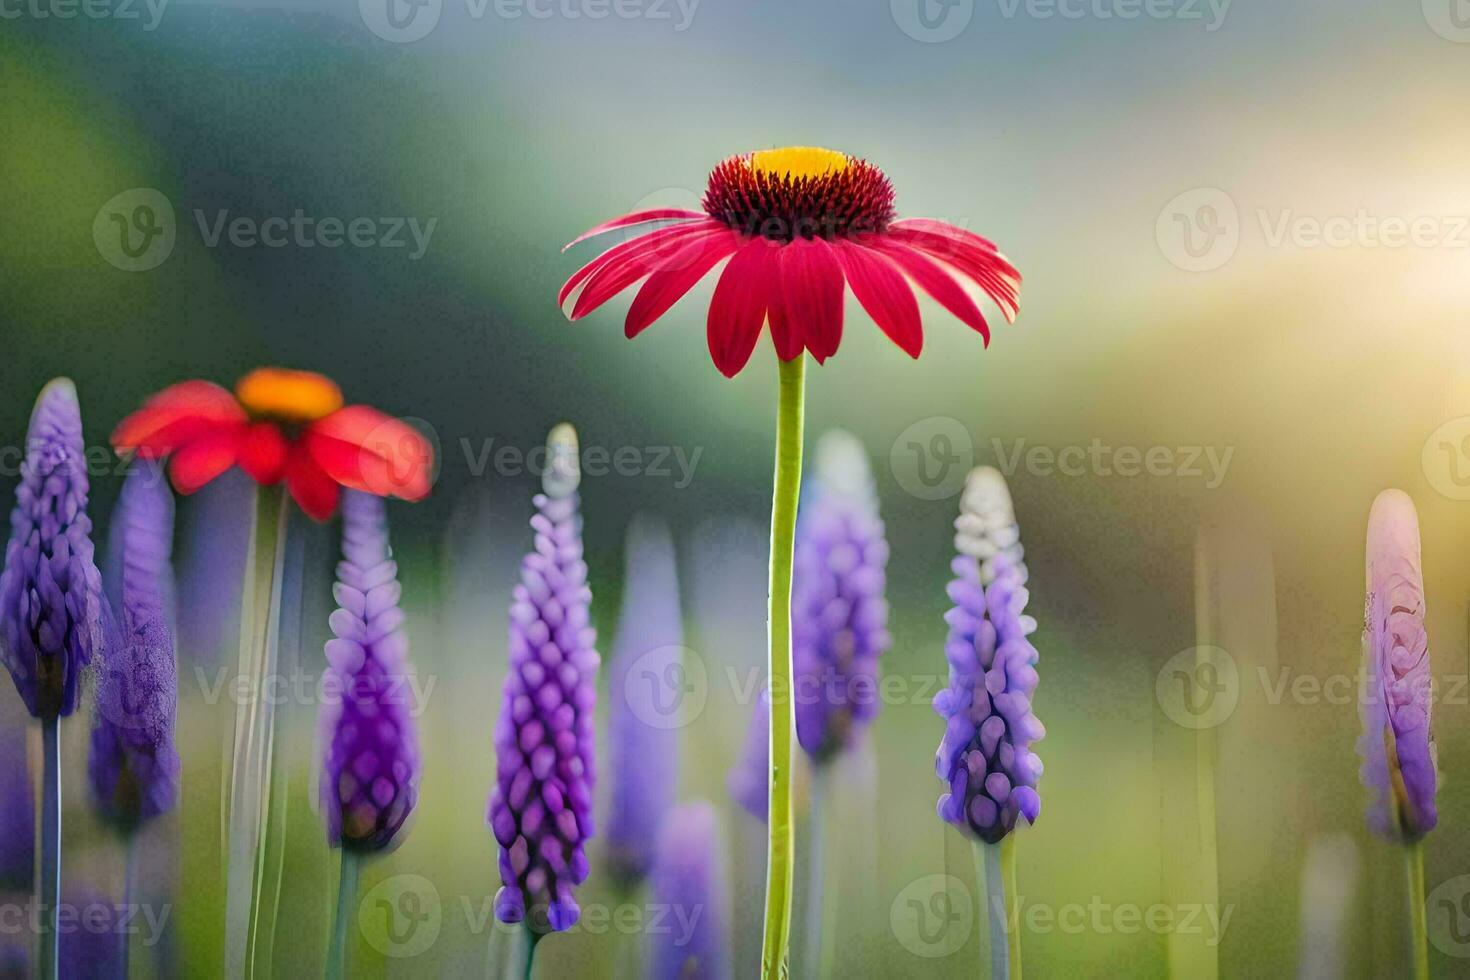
(646, 666)
(1397, 745)
(540, 807)
(985, 756)
(370, 768)
(749, 782)
(986, 528)
(133, 766)
(690, 888)
(51, 601)
(839, 615)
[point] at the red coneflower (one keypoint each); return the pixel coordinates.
(796, 224)
(279, 425)
(795, 227)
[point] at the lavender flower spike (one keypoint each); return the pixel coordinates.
(985, 756)
(1397, 745)
(371, 765)
(541, 804)
(689, 882)
(51, 601)
(133, 766)
(642, 726)
(839, 616)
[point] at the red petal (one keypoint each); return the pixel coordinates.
(313, 490)
(362, 448)
(263, 451)
(937, 283)
(739, 306)
(946, 229)
(676, 277)
(988, 268)
(627, 267)
(203, 459)
(882, 291)
(627, 249)
(176, 415)
(811, 288)
(635, 218)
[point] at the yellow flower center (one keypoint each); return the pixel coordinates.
(799, 161)
(290, 396)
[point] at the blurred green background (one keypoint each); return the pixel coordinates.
(1157, 179)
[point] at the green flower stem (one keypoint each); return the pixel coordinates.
(781, 846)
(50, 883)
(250, 812)
(996, 865)
(346, 902)
(1414, 866)
(532, 938)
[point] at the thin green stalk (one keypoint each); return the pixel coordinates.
(50, 884)
(995, 864)
(781, 847)
(346, 902)
(250, 807)
(532, 938)
(1419, 936)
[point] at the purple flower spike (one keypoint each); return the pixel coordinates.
(642, 723)
(749, 781)
(985, 756)
(689, 884)
(133, 766)
(839, 616)
(1397, 745)
(371, 766)
(51, 601)
(540, 807)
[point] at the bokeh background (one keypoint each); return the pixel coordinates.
(1243, 232)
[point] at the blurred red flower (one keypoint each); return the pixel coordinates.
(279, 425)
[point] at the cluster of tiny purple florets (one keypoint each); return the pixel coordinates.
(985, 756)
(51, 599)
(370, 780)
(540, 807)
